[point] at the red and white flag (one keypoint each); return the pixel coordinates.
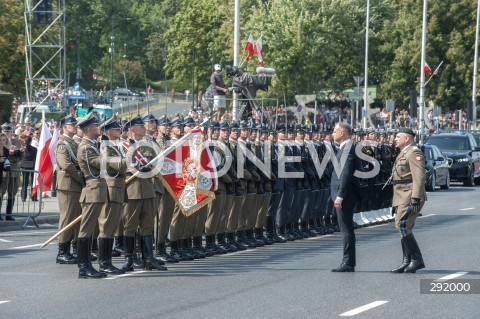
(249, 47)
(259, 51)
(45, 162)
(426, 68)
(189, 173)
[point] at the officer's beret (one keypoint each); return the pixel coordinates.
(224, 125)
(406, 130)
(176, 122)
(148, 117)
(163, 120)
(134, 121)
(189, 121)
(111, 123)
(87, 120)
(7, 127)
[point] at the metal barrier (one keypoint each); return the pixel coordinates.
(24, 205)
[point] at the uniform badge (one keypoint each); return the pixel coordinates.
(418, 157)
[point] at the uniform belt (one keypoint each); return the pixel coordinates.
(402, 181)
(90, 177)
(118, 176)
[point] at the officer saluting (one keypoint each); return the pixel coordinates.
(94, 195)
(408, 197)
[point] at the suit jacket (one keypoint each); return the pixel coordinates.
(409, 165)
(345, 186)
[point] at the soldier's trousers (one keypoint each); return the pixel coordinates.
(165, 216)
(405, 219)
(177, 225)
(263, 204)
(236, 210)
(90, 214)
(69, 205)
(225, 214)
(139, 213)
(109, 219)
(298, 204)
(201, 219)
(273, 204)
(216, 210)
(285, 205)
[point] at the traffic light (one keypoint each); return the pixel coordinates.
(470, 110)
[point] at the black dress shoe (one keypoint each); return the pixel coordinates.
(344, 268)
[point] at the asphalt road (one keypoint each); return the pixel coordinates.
(290, 280)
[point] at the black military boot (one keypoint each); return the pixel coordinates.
(64, 256)
(242, 238)
(235, 243)
(163, 255)
(226, 242)
(210, 245)
(149, 262)
(259, 236)
(9, 211)
(128, 244)
(105, 257)
(118, 248)
(74, 248)
(406, 259)
(137, 252)
(251, 237)
(94, 250)
(282, 233)
(304, 229)
(175, 251)
(185, 250)
(85, 268)
(188, 247)
(416, 259)
(198, 245)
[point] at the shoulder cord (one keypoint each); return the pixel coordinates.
(119, 155)
(70, 152)
(86, 158)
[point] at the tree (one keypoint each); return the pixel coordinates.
(12, 47)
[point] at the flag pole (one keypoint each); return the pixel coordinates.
(161, 155)
(434, 73)
(422, 74)
(365, 106)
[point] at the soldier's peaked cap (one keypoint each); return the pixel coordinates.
(189, 121)
(87, 120)
(244, 125)
(112, 123)
(163, 120)
(148, 117)
(176, 122)
(281, 128)
(68, 120)
(6, 127)
(224, 125)
(134, 121)
(234, 126)
(215, 125)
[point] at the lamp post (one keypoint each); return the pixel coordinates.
(111, 50)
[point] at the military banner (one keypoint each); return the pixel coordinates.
(189, 173)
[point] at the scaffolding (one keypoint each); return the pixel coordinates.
(45, 49)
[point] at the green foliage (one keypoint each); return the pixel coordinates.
(6, 100)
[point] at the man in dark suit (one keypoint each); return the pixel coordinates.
(344, 193)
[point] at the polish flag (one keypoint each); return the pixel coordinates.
(427, 69)
(250, 47)
(258, 49)
(45, 162)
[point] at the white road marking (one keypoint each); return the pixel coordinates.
(366, 307)
(453, 276)
(468, 208)
(319, 237)
(129, 274)
(5, 241)
(4, 301)
(426, 216)
(27, 246)
(33, 232)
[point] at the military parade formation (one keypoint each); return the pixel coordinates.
(123, 213)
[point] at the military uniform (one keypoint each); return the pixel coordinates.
(408, 198)
(140, 209)
(92, 198)
(112, 212)
(70, 181)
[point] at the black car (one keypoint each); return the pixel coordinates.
(476, 136)
(436, 168)
(462, 149)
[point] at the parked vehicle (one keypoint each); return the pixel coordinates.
(464, 152)
(436, 168)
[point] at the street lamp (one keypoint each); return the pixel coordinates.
(111, 50)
